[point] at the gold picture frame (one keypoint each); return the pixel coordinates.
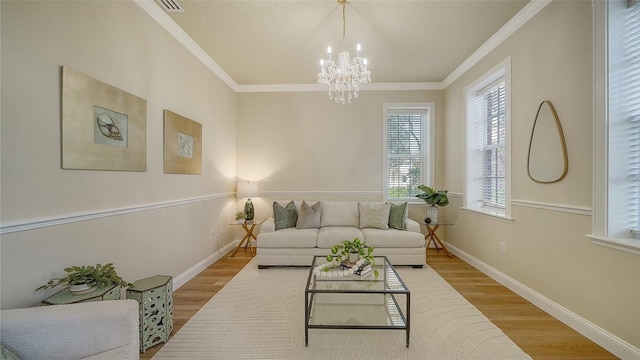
(182, 145)
(103, 127)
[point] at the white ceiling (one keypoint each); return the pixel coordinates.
(259, 42)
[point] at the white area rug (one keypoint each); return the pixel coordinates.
(259, 314)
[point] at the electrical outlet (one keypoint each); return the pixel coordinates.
(503, 248)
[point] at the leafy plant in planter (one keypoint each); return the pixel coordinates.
(98, 275)
(342, 251)
(241, 215)
(432, 197)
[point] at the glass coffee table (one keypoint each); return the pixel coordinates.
(357, 302)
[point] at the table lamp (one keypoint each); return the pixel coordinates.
(248, 189)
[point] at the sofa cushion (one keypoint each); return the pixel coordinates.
(285, 217)
(392, 238)
(339, 213)
(374, 215)
(288, 238)
(309, 217)
(397, 216)
(330, 236)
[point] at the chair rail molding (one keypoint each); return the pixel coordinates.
(572, 209)
(66, 219)
(310, 194)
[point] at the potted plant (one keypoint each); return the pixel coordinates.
(434, 199)
(84, 279)
(353, 251)
(240, 216)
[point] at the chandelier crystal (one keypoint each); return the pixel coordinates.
(344, 76)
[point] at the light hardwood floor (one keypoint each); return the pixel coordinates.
(534, 331)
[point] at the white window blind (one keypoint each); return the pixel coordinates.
(408, 158)
(624, 120)
(492, 132)
(488, 183)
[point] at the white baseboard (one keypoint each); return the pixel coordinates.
(183, 278)
(600, 336)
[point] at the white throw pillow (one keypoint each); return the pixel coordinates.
(374, 215)
(309, 217)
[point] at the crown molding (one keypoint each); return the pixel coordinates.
(521, 18)
(405, 86)
(524, 15)
(160, 16)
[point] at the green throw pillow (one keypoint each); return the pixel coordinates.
(6, 354)
(397, 216)
(284, 217)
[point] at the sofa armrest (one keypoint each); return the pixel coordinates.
(413, 225)
(100, 329)
(268, 226)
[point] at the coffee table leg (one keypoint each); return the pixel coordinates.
(408, 316)
(306, 319)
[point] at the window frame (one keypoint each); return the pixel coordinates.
(427, 149)
(600, 233)
(473, 199)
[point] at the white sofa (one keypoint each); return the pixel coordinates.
(93, 330)
(339, 221)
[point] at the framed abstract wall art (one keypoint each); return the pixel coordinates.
(103, 127)
(182, 145)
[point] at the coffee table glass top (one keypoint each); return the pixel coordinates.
(388, 280)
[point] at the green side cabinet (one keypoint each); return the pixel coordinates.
(155, 308)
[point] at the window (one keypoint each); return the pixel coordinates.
(488, 149)
(616, 213)
(408, 144)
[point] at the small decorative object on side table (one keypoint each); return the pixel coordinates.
(248, 226)
(155, 298)
(111, 292)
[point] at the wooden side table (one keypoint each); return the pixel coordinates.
(102, 293)
(155, 309)
(248, 235)
(432, 236)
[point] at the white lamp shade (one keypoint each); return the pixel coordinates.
(247, 189)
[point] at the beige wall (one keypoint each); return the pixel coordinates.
(547, 250)
(118, 43)
(298, 145)
(306, 146)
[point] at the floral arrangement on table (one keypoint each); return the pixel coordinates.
(350, 257)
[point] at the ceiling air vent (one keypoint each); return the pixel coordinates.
(170, 5)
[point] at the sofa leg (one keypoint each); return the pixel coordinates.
(417, 266)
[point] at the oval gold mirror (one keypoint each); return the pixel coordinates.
(547, 161)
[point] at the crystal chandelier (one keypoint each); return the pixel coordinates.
(345, 76)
